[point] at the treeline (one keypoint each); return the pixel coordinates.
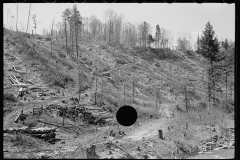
(113, 29)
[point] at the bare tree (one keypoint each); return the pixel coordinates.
(65, 16)
(17, 19)
(52, 33)
(28, 17)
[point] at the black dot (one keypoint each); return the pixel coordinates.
(126, 115)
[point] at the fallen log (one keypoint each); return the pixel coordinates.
(18, 71)
(23, 85)
(16, 58)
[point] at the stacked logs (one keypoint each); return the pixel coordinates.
(45, 133)
(90, 114)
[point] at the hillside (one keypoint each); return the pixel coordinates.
(51, 79)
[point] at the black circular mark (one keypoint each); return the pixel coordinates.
(126, 115)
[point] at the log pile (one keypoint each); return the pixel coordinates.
(91, 114)
(45, 133)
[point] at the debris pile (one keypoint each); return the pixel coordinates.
(225, 140)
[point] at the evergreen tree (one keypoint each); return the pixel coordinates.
(225, 44)
(209, 48)
(150, 40)
(209, 45)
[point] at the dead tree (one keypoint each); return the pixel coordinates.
(186, 99)
(95, 102)
(123, 93)
(133, 91)
(101, 91)
(17, 19)
(156, 100)
(52, 34)
(28, 17)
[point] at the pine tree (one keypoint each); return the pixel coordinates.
(209, 48)
(225, 44)
(209, 45)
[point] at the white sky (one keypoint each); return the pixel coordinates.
(175, 17)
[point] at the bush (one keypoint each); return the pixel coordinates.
(9, 97)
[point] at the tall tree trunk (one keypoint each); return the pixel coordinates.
(186, 100)
(209, 90)
(28, 17)
(17, 19)
(109, 31)
(95, 91)
(156, 100)
(123, 93)
(101, 91)
(66, 35)
(226, 88)
(133, 91)
(72, 39)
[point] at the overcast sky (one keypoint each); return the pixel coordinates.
(175, 17)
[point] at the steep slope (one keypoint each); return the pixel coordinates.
(29, 60)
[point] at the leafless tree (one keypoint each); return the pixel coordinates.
(28, 17)
(52, 33)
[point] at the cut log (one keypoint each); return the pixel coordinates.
(23, 85)
(16, 58)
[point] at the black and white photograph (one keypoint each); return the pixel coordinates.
(119, 80)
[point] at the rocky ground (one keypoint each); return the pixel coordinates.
(51, 82)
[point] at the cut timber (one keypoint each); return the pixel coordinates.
(22, 85)
(18, 71)
(16, 58)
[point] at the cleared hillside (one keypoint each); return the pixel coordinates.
(55, 75)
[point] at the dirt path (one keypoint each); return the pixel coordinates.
(9, 118)
(147, 130)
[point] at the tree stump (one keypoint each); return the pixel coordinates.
(160, 134)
